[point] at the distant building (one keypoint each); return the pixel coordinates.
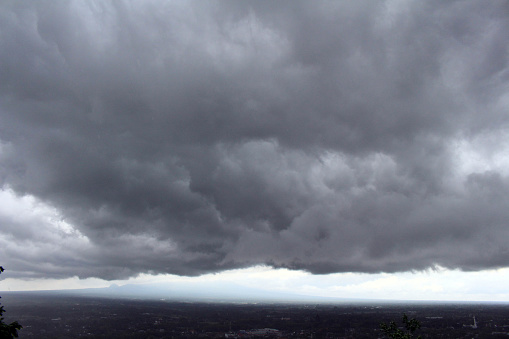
(474, 326)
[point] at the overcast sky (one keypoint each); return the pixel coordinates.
(190, 137)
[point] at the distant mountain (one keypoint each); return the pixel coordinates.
(199, 291)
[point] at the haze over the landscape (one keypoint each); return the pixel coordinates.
(340, 148)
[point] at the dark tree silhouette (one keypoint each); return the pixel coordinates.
(7, 330)
(392, 330)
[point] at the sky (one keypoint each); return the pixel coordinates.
(337, 147)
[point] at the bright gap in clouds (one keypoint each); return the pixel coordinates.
(431, 285)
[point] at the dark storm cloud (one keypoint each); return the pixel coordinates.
(187, 137)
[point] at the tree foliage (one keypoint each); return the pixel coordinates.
(392, 330)
(7, 330)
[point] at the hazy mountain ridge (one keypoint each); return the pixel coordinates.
(206, 292)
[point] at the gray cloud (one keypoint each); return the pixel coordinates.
(189, 138)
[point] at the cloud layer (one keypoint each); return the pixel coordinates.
(186, 138)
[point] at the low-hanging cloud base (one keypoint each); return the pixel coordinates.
(189, 138)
